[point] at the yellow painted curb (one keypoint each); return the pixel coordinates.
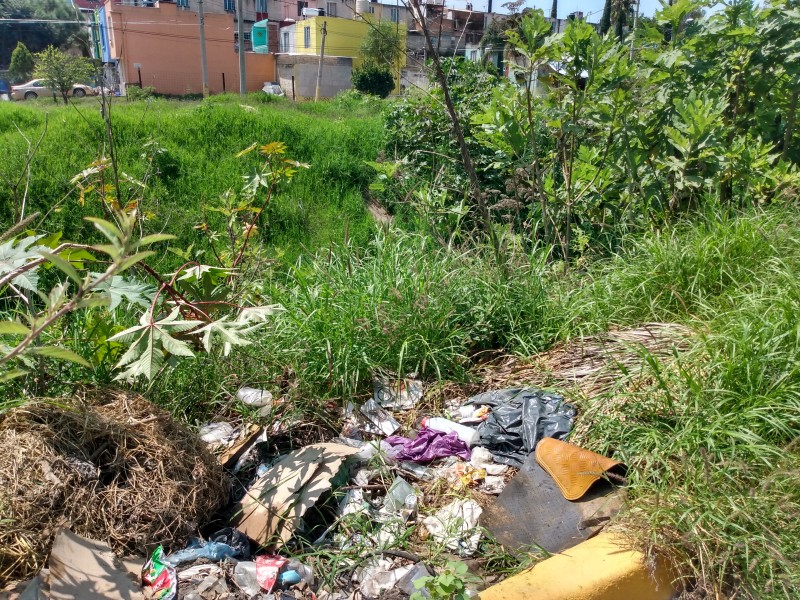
(601, 568)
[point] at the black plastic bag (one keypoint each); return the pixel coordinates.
(520, 417)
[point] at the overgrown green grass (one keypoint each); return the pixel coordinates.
(198, 142)
(712, 438)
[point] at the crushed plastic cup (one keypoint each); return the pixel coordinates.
(397, 494)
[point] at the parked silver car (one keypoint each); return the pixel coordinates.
(35, 88)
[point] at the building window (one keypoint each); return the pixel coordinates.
(261, 5)
(330, 9)
(394, 15)
(248, 36)
(300, 6)
(230, 5)
(307, 37)
(183, 3)
(284, 41)
(371, 9)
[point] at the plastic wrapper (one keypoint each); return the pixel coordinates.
(402, 394)
(267, 569)
(226, 543)
(456, 526)
(158, 578)
(520, 417)
(379, 418)
(429, 445)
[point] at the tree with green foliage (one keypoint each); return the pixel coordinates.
(621, 10)
(36, 35)
(61, 71)
(373, 79)
(382, 46)
(605, 20)
(22, 65)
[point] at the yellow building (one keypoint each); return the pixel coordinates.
(343, 41)
(344, 37)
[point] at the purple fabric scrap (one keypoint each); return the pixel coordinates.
(429, 445)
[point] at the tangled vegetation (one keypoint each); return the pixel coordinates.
(599, 138)
(626, 183)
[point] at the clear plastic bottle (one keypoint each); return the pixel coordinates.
(466, 434)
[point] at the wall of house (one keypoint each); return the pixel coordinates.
(283, 10)
(249, 7)
(344, 37)
(159, 47)
(298, 74)
(395, 12)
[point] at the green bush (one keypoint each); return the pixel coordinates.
(134, 92)
(374, 80)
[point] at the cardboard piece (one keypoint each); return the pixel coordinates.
(532, 511)
(272, 508)
(228, 457)
(81, 568)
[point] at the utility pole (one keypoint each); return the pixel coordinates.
(240, 28)
(633, 32)
(203, 65)
(321, 59)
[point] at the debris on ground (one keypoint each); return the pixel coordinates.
(379, 576)
(429, 445)
(159, 578)
(380, 420)
(268, 568)
(519, 418)
(82, 568)
(466, 434)
(574, 469)
(456, 526)
(397, 395)
(255, 398)
(533, 510)
(109, 463)
(272, 508)
(228, 543)
(400, 475)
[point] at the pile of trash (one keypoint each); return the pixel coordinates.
(359, 515)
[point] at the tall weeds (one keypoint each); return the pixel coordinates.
(712, 437)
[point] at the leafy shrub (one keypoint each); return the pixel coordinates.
(134, 92)
(352, 99)
(418, 127)
(373, 79)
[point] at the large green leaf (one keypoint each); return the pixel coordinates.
(15, 254)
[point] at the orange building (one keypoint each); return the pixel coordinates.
(157, 44)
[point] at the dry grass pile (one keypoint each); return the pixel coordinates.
(111, 466)
(595, 364)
